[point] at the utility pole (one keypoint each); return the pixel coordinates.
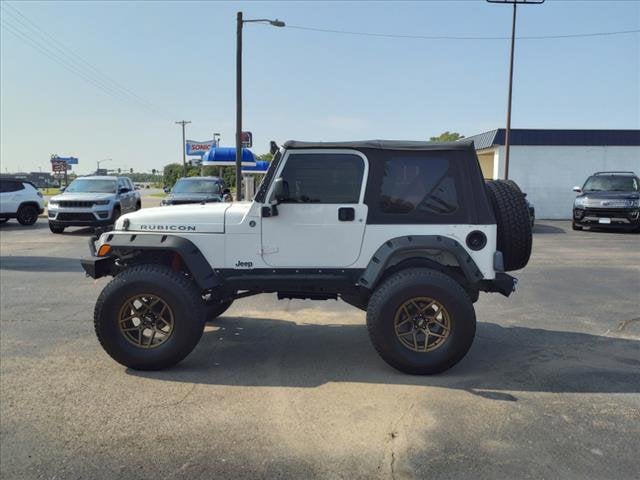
(507, 133)
(216, 144)
(184, 147)
(240, 23)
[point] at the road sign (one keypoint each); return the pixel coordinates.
(247, 139)
(59, 166)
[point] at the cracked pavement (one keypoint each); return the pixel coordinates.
(293, 389)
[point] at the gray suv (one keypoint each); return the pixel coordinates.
(91, 202)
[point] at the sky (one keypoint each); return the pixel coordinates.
(108, 80)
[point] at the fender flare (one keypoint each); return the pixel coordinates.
(392, 248)
(198, 266)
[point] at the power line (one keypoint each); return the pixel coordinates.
(460, 37)
(39, 39)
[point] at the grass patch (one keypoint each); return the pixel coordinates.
(158, 195)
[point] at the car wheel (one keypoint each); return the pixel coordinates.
(421, 321)
(149, 317)
(138, 206)
(115, 215)
(27, 215)
(56, 228)
(513, 223)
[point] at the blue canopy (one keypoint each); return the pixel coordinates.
(261, 167)
(226, 156)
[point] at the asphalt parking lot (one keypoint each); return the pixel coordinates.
(293, 389)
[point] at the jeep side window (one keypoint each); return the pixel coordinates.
(323, 178)
(412, 184)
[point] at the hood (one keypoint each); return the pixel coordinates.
(82, 197)
(193, 218)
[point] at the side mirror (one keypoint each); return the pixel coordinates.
(280, 191)
(577, 189)
(166, 189)
(123, 190)
(273, 147)
(62, 189)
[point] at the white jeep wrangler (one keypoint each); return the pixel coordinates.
(408, 231)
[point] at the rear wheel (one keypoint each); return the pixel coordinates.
(27, 215)
(56, 228)
(149, 317)
(421, 321)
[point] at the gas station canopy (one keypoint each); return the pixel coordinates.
(226, 157)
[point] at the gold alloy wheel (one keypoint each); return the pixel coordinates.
(422, 324)
(146, 321)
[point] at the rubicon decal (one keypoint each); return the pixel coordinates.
(169, 228)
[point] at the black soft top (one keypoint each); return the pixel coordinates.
(384, 145)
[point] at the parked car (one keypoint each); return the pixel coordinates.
(608, 200)
(21, 200)
(197, 190)
(407, 231)
(92, 201)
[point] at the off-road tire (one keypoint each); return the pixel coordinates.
(176, 290)
(27, 215)
(56, 228)
(513, 223)
(420, 282)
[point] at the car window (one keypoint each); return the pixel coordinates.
(7, 186)
(196, 186)
(91, 185)
(611, 183)
(323, 178)
(129, 184)
(412, 184)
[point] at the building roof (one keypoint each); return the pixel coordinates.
(383, 145)
(540, 137)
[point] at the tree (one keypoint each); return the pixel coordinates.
(447, 137)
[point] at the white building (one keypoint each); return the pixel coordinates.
(547, 164)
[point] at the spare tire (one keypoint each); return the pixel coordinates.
(512, 218)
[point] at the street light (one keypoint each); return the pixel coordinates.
(240, 23)
(184, 147)
(507, 132)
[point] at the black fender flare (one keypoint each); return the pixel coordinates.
(399, 245)
(198, 266)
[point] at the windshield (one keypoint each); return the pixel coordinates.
(611, 183)
(196, 186)
(86, 185)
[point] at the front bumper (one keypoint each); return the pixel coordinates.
(607, 217)
(69, 217)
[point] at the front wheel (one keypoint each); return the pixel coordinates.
(421, 321)
(149, 317)
(56, 228)
(27, 215)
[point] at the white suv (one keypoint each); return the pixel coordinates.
(21, 200)
(407, 231)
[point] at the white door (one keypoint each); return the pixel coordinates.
(321, 224)
(10, 195)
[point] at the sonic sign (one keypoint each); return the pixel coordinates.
(193, 147)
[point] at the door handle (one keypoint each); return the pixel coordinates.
(346, 214)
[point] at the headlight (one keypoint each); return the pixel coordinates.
(580, 201)
(635, 203)
(101, 202)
